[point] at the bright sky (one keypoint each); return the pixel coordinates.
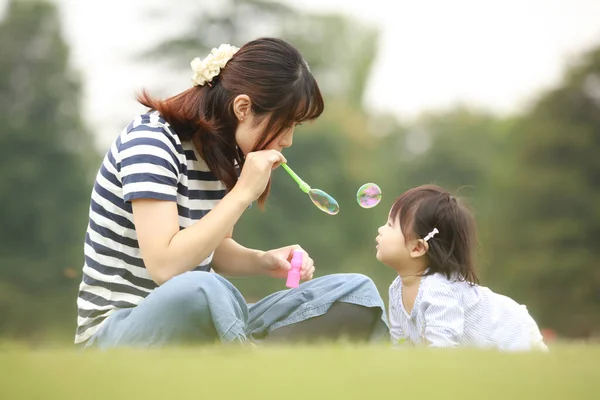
(497, 54)
(433, 53)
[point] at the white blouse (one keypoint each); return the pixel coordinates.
(449, 313)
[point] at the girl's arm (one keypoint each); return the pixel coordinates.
(444, 316)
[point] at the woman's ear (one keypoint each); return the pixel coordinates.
(242, 107)
(418, 248)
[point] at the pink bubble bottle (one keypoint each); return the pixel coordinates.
(293, 278)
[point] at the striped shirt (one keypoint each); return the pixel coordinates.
(455, 314)
(147, 160)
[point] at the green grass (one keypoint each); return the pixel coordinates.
(319, 372)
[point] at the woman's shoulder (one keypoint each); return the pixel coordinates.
(150, 121)
(147, 129)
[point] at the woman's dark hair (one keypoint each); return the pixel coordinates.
(450, 252)
(280, 85)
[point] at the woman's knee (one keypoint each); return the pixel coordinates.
(355, 279)
(362, 278)
(193, 290)
(358, 285)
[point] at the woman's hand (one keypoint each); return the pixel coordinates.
(256, 173)
(276, 263)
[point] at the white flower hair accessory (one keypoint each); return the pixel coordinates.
(431, 234)
(205, 70)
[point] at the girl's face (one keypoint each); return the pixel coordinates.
(249, 133)
(392, 249)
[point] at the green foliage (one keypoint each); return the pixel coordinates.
(233, 22)
(325, 157)
(550, 212)
(342, 62)
(44, 175)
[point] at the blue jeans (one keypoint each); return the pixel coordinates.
(203, 307)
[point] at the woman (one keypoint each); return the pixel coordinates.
(168, 195)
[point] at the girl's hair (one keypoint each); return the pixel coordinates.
(450, 253)
(280, 85)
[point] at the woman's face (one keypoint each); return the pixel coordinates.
(250, 130)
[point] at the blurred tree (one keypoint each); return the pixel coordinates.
(438, 146)
(45, 154)
(326, 158)
(339, 50)
(460, 149)
(229, 21)
(546, 251)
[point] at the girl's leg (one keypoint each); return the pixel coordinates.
(194, 307)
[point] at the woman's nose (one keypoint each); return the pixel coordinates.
(287, 139)
(286, 142)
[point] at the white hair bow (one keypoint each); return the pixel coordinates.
(431, 234)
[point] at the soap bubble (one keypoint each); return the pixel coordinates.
(368, 195)
(324, 202)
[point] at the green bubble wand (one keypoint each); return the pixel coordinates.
(322, 200)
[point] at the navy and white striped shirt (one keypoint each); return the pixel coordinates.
(449, 313)
(148, 161)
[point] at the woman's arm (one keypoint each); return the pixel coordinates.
(168, 251)
(233, 259)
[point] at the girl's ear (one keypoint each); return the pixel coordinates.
(418, 248)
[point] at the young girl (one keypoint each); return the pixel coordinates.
(436, 300)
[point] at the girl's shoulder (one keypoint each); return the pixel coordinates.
(395, 289)
(441, 280)
(439, 286)
(438, 280)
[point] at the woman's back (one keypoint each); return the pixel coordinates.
(147, 160)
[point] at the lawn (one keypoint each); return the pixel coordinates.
(319, 372)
